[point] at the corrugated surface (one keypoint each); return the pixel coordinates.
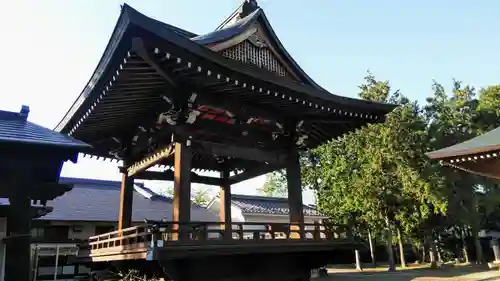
(98, 200)
(267, 205)
(14, 128)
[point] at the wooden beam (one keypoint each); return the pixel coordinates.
(264, 169)
(168, 175)
(151, 160)
(227, 150)
(182, 189)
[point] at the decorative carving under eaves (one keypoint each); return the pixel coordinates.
(254, 51)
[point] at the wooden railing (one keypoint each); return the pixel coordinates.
(162, 234)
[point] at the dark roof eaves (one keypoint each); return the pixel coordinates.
(118, 32)
(130, 15)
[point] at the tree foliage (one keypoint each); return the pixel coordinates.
(378, 177)
(275, 185)
(199, 196)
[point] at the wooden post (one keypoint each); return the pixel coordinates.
(182, 189)
(294, 185)
(225, 205)
(18, 254)
(126, 199)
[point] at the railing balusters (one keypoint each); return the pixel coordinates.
(151, 234)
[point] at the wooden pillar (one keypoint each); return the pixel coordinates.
(18, 246)
(182, 189)
(126, 199)
(294, 184)
(225, 204)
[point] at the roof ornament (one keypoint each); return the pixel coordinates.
(248, 7)
(25, 111)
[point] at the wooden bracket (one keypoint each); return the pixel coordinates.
(151, 160)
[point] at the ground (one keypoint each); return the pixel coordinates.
(461, 273)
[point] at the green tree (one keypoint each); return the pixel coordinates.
(275, 185)
(380, 172)
(199, 196)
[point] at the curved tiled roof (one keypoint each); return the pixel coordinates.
(15, 128)
(98, 200)
(268, 205)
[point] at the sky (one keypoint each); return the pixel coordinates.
(50, 48)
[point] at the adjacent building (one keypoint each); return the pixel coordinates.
(257, 209)
(91, 208)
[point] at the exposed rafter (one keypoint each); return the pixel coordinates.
(140, 49)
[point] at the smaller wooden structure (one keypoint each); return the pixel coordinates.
(479, 155)
(32, 158)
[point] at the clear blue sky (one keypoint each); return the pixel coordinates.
(50, 48)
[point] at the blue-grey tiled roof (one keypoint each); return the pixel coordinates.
(98, 200)
(267, 205)
(15, 128)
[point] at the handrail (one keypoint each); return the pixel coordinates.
(164, 233)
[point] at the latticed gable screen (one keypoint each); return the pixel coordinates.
(259, 56)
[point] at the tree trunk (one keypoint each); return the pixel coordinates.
(401, 248)
(372, 250)
(479, 250)
(465, 251)
(417, 254)
(432, 252)
(438, 249)
(424, 251)
(390, 252)
(477, 244)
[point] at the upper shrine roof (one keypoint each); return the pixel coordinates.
(240, 70)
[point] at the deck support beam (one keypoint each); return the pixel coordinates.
(18, 245)
(126, 199)
(294, 185)
(225, 204)
(182, 188)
